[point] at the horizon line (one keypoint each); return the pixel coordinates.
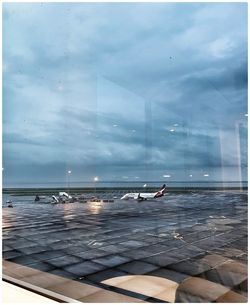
(135, 181)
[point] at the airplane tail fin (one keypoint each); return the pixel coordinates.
(163, 188)
(65, 195)
(55, 198)
(161, 192)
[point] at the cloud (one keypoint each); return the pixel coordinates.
(101, 86)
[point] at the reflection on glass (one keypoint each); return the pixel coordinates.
(104, 100)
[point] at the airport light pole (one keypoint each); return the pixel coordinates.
(69, 172)
(95, 180)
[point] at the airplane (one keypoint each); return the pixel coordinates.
(145, 196)
(62, 198)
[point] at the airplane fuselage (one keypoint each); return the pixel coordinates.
(145, 196)
(140, 196)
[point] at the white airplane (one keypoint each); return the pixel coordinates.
(63, 197)
(145, 196)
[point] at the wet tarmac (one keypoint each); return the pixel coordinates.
(186, 247)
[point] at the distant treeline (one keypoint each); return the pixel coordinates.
(78, 190)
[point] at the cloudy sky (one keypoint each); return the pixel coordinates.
(124, 91)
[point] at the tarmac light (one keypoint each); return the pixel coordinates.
(69, 172)
(95, 179)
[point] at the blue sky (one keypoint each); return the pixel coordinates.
(124, 91)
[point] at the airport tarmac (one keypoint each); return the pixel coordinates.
(184, 247)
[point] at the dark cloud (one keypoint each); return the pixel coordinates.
(124, 89)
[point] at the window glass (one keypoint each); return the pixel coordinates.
(125, 150)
